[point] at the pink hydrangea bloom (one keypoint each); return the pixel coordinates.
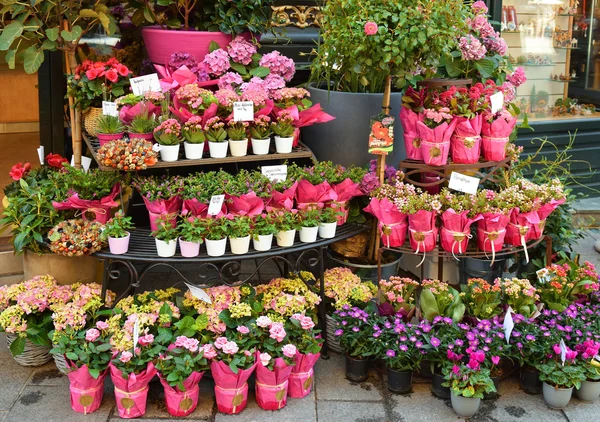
(471, 48)
(265, 358)
(241, 51)
(518, 77)
(102, 325)
(307, 323)
(229, 80)
(217, 62)
(92, 334)
(230, 348)
(480, 23)
(509, 91)
(263, 321)
(496, 44)
(273, 82)
(279, 64)
(254, 92)
(479, 7)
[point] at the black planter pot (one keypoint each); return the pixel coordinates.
(357, 370)
(480, 268)
(437, 388)
(425, 370)
(365, 272)
(399, 382)
(529, 380)
(494, 395)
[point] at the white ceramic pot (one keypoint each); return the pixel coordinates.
(261, 146)
(263, 242)
(557, 398)
(286, 238)
(166, 249)
(193, 151)
(465, 407)
(238, 148)
(283, 145)
(309, 234)
(169, 153)
(189, 249)
(239, 245)
(327, 230)
(218, 149)
(216, 247)
(589, 391)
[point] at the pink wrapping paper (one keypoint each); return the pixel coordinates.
(173, 80)
(517, 231)
(392, 223)
(99, 207)
(161, 207)
(423, 232)
(131, 394)
(183, 114)
(283, 199)
(231, 390)
(341, 207)
(198, 209)
(302, 375)
(182, 403)
(465, 143)
(311, 196)
(495, 136)
(248, 204)
(345, 190)
(456, 231)
(491, 230)
(537, 230)
(435, 143)
(128, 112)
(272, 386)
(412, 141)
(493, 149)
(86, 391)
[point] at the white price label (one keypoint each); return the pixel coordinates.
(563, 351)
(40, 152)
(275, 173)
(72, 161)
(508, 325)
(85, 163)
(143, 84)
(243, 111)
(544, 275)
(497, 102)
(597, 357)
(156, 147)
(216, 203)
(463, 183)
(109, 108)
(136, 333)
(198, 293)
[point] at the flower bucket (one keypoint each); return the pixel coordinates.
(284, 145)
(105, 138)
(119, 245)
(302, 376)
(169, 153)
(239, 245)
(216, 247)
(166, 249)
(286, 238)
(412, 141)
(86, 391)
(263, 242)
(435, 153)
(261, 146)
(238, 148)
(189, 249)
(193, 151)
(327, 230)
(465, 150)
(493, 149)
(33, 355)
(218, 149)
(309, 234)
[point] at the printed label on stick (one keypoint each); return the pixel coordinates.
(143, 84)
(216, 203)
(109, 108)
(198, 293)
(275, 173)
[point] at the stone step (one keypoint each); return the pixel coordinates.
(587, 213)
(11, 265)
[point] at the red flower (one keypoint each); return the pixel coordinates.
(92, 73)
(122, 69)
(370, 28)
(19, 170)
(112, 75)
(112, 61)
(55, 160)
(100, 65)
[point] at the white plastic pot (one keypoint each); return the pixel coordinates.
(261, 146)
(263, 242)
(238, 148)
(284, 145)
(286, 238)
(166, 249)
(216, 247)
(189, 249)
(118, 245)
(193, 151)
(169, 153)
(327, 230)
(589, 391)
(218, 149)
(239, 245)
(309, 234)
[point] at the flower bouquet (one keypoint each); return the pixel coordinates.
(397, 297)
(439, 299)
(496, 130)
(161, 196)
(302, 333)
(435, 131)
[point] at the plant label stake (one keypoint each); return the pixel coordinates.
(146, 83)
(544, 275)
(463, 183)
(136, 333)
(563, 351)
(243, 111)
(508, 325)
(198, 293)
(86, 162)
(216, 203)
(275, 173)
(40, 152)
(497, 102)
(109, 108)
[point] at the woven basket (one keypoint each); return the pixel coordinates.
(332, 340)
(352, 247)
(33, 355)
(90, 117)
(61, 363)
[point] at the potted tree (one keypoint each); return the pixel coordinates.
(109, 128)
(215, 232)
(239, 230)
(194, 136)
(116, 231)
(263, 229)
(238, 138)
(190, 235)
(260, 131)
(560, 374)
(168, 136)
(165, 236)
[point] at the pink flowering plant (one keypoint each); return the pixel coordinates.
(222, 297)
(397, 296)
(401, 345)
(567, 281)
(486, 338)
(562, 374)
(437, 298)
(283, 125)
(520, 295)
(186, 357)
(193, 131)
(469, 379)
(587, 354)
(440, 338)
(263, 225)
(530, 342)
(168, 132)
(260, 128)
(215, 130)
(301, 332)
(237, 131)
(136, 359)
(359, 331)
(273, 342)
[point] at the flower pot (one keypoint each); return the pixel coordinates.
(105, 138)
(529, 380)
(239, 245)
(435, 153)
(189, 249)
(193, 151)
(261, 146)
(145, 136)
(238, 148)
(284, 145)
(286, 238)
(399, 382)
(589, 391)
(557, 398)
(437, 388)
(333, 341)
(169, 153)
(216, 247)
(131, 405)
(367, 271)
(119, 245)
(86, 392)
(479, 268)
(33, 354)
(327, 230)
(218, 149)
(66, 269)
(309, 234)
(165, 249)
(493, 149)
(465, 407)
(357, 370)
(263, 243)
(182, 403)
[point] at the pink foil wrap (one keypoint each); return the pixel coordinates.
(314, 196)
(182, 403)
(345, 191)
(99, 207)
(272, 385)
(302, 377)
(231, 390)
(495, 136)
(128, 112)
(465, 143)
(435, 143)
(248, 204)
(456, 231)
(199, 209)
(282, 200)
(537, 229)
(392, 223)
(131, 394)
(412, 142)
(86, 391)
(160, 207)
(491, 230)
(423, 232)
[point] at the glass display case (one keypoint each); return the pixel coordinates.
(558, 43)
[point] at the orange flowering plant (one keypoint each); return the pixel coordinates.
(565, 282)
(481, 298)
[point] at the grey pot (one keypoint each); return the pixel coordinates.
(557, 398)
(589, 391)
(345, 139)
(465, 407)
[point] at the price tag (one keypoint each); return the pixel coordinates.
(85, 163)
(40, 152)
(156, 147)
(109, 108)
(275, 173)
(243, 111)
(463, 183)
(544, 275)
(72, 161)
(198, 293)
(143, 84)
(597, 357)
(497, 102)
(216, 203)
(509, 324)
(563, 351)
(136, 333)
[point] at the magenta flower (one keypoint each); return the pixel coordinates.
(435, 342)
(495, 360)
(370, 28)
(390, 353)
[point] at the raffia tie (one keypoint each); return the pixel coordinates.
(237, 391)
(88, 392)
(488, 238)
(128, 394)
(94, 210)
(505, 139)
(414, 232)
(382, 227)
(523, 230)
(456, 236)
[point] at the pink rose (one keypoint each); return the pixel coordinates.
(297, 316)
(209, 351)
(370, 28)
(265, 358)
(126, 357)
(247, 353)
(146, 340)
(102, 325)
(307, 323)
(243, 329)
(220, 342)
(92, 334)
(192, 345)
(230, 348)
(263, 321)
(289, 350)
(277, 332)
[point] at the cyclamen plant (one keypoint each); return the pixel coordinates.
(192, 130)
(215, 130)
(168, 132)
(469, 380)
(561, 374)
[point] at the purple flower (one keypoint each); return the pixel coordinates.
(338, 332)
(459, 342)
(355, 329)
(403, 348)
(413, 338)
(377, 334)
(435, 342)
(530, 337)
(419, 344)
(390, 353)
(241, 51)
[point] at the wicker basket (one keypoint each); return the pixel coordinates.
(332, 340)
(90, 117)
(33, 355)
(352, 247)
(61, 363)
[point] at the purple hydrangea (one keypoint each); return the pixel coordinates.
(230, 80)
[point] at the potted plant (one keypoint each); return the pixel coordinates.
(309, 220)
(168, 136)
(439, 299)
(142, 127)
(109, 128)
(302, 333)
(520, 295)
(328, 222)
(116, 231)
(161, 195)
(165, 236)
(397, 296)
(260, 131)
(531, 353)
(560, 374)
(239, 230)
(191, 233)
(482, 299)
(567, 281)
(263, 229)
(238, 138)
(587, 356)
(401, 354)
(283, 129)
(194, 136)
(215, 232)
(217, 137)
(286, 223)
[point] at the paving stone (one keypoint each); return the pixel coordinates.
(420, 405)
(351, 411)
(331, 382)
(157, 408)
(12, 375)
(47, 375)
(3, 415)
(582, 411)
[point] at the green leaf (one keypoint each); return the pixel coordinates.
(260, 72)
(233, 367)
(239, 68)
(11, 32)
(32, 60)
(88, 13)
(66, 35)
(485, 67)
(453, 68)
(103, 347)
(429, 305)
(10, 58)
(72, 356)
(52, 33)
(18, 346)
(94, 373)
(213, 46)
(105, 21)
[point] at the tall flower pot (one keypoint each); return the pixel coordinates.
(465, 407)
(218, 149)
(193, 151)
(343, 140)
(327, 230)
(145, 136)
(437, 388)
(216, 247)
(309, 234)
(33, 354)
(105, 138)
(589, 391)
(357, 370)
(262, 243)
(169, 153)
(261, 146)
(239, 245)
(238, 148)
(166, 249)
(189, 249)
(284, 145)
(480, 268)
(119, 245)
(399, 382)
(555, 397)
(286, 238)
(529, 380)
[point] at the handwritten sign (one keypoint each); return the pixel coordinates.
(381, 137)
(497, 102)
(243, 111)
(216, 203)
(463, 183)
(109, 108)
(508, 325)
(275, 173)
(198, 293)
(40, 152)
(143, 84)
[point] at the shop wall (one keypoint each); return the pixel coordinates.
(19, 108)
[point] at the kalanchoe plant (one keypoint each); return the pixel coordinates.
(567, 281)
(215, 130)
(469, 380)
(178, 363)
(190, 229)
(107, 124)
(168, 132)
(192, 130)
(520, 295)
(560, 374)
(309, 217)
(282, 126)
(165, 230)
(214, 228)
(263, 225)
(142, 123)
(402, 346)
(482, 299)
(261, 127)
(239, 226)
(358, 331)
(117, 226)
(237, 131)
(439, 299)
